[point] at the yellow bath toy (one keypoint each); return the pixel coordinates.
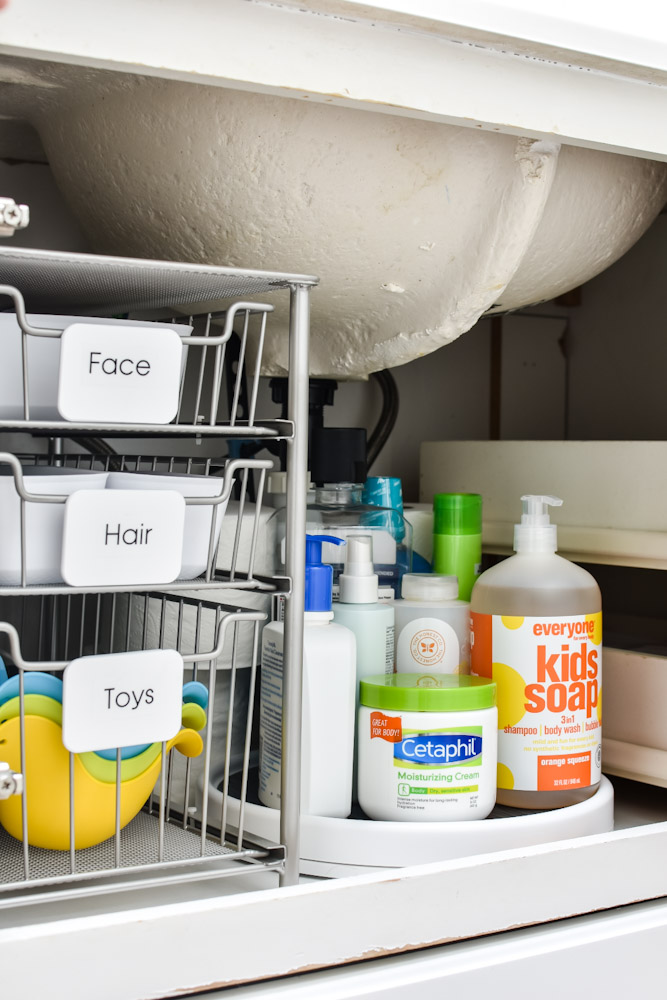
(35, 704)
(189, 743)
(46, 775)
(193, 716)
(103, 768)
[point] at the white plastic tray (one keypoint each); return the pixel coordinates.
(339, 847)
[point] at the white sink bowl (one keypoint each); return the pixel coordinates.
(416, 228)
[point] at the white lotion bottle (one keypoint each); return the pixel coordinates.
(371, 620)
(329, 700)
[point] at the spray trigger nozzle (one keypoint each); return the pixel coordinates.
(358, 582)
(359, 556)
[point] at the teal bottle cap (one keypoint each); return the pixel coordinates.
(457, 514)
(383, 491)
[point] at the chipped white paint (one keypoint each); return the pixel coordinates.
(171, 948)
(593, 952)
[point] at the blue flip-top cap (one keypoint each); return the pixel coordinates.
(319, 575)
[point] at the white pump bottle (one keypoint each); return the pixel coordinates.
(536, 622)
(328, 709)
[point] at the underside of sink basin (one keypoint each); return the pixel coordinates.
(415, 228)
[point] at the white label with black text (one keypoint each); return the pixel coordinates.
(122, 537)
(120, 375)
(122, 699)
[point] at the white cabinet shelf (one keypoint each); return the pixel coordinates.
(613, 491)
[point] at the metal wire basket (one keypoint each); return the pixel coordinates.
(174, 836)
(217, 399)
(230, 540)
(219, 387)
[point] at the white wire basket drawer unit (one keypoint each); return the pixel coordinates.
(74, 818)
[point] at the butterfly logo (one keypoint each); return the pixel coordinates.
(427, 647)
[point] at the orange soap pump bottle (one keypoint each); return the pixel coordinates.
(536, 628)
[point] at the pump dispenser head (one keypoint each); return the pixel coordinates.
(536, 533)
(319, 575)
(358, 583)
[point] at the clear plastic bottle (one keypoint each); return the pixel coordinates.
(337, 509)
(537, 630)
(387, 492)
